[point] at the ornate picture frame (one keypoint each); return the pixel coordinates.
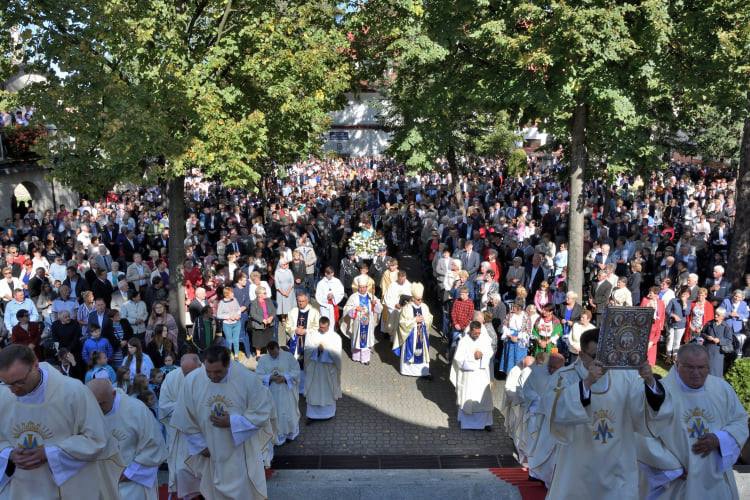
(623, 337)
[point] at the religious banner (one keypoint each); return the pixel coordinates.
(623, 337)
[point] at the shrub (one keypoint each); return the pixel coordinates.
(739, 377)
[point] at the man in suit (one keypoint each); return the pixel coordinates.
(234, 245)
(470, 260)
(104, 259)
(100, 318)
(76, 283)
(128, 246)
(161, 241)
(513, 251)
(719, 288)
(109, 236)
(197, 304)
(600, 294)
(533, 277)
(101, 287)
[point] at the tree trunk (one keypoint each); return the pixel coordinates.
(176, 192)
(455, 176)
(740, 247)
(575, 222)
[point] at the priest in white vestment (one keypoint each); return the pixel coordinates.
(692, 457)
(323, 373)
(52, 429)
(361, 316)
(181, 479)
(138, 436)
(392, 298)
(280, 373)
(328, 294)
(537, 396)
(300, 321)
(226, 415)
(594, 418)
(510, 406)
(471, 375)
(412, 342)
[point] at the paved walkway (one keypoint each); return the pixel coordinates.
(384, 413)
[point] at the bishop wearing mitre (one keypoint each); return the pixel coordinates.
(361, 316)
(138, 436)
(412, 342)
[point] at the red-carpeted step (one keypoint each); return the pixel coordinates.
(519, 477)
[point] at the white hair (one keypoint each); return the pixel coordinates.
(719, 269)
(720, 311)
(693, 276)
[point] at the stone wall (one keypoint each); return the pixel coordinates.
(45, 193)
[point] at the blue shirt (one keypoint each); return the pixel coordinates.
(13, 307)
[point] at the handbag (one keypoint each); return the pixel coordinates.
(730, 348)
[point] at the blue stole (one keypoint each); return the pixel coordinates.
(568, 314)
(364, 321)
(296, 343)
(416, 354)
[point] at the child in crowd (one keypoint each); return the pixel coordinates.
(139, 385)
(122, 380)
(95, 342)
(150, 399)
(100, 368)
(168, 364)
(154, 384)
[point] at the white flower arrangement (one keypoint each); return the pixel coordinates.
(365, 245)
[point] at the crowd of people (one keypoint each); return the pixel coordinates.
(271, 281)
(17, 118)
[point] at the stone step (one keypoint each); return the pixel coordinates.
(414, 484)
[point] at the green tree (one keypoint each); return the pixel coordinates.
(709, 62)
(147, 89)
(439, 111)
(590, 69)
(9, 65)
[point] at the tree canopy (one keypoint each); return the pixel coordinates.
(149, 88)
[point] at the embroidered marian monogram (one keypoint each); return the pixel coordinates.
(697, 420)
(219, 405)
(30, 435)
(602, 430)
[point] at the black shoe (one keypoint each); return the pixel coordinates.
(488, 428)
(308, 421)
(367, 363)
(427, 377)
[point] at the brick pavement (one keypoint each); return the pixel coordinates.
(383, 412)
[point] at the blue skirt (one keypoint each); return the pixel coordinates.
(512, 355)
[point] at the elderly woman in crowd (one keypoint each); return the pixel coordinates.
(262, 320)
